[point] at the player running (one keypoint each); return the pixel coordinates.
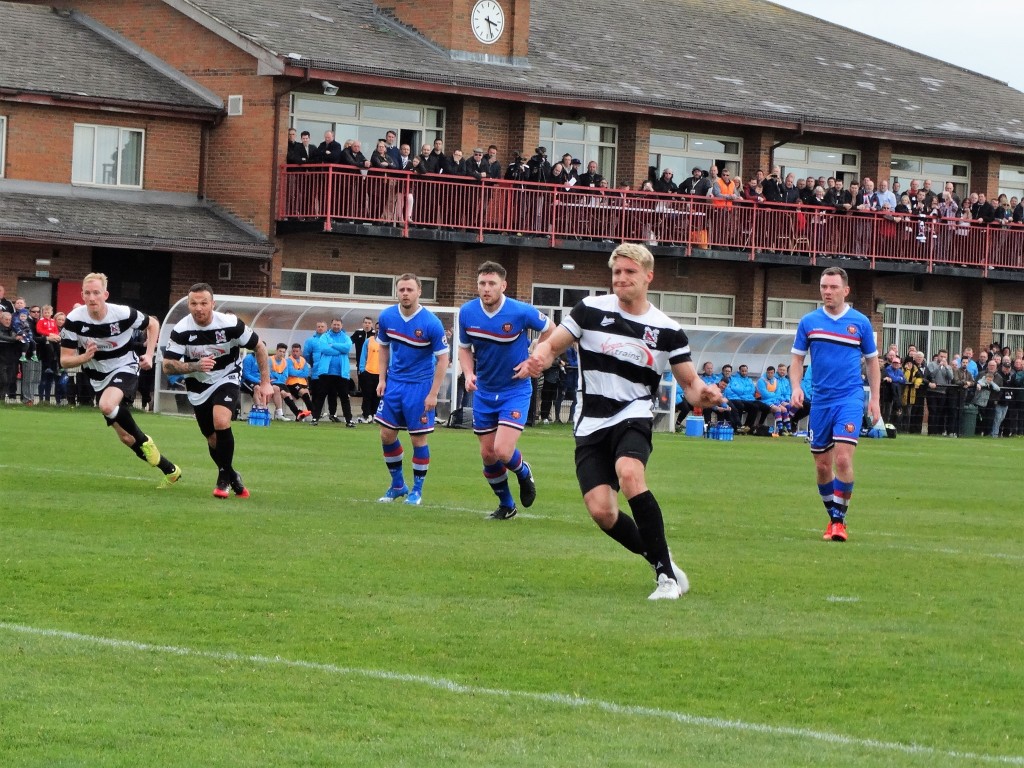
(98, 336)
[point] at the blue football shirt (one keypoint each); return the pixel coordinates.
(414, 343)
(836, 346)
(500, 341)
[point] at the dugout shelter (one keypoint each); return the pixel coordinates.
(293, 321)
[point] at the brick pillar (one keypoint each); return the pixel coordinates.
(462, 126)
(750, 297)
(985, 173)
(876, 160)
(756, 153)
(634, 148)
(520, 265)
(979, 302)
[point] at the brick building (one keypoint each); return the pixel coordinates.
(758, 84)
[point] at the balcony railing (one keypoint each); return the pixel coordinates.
(405, 200)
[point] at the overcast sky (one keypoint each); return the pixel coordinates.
(985, 41)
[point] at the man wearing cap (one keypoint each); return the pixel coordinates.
(698, 184)
(665, 183)
(540, 173)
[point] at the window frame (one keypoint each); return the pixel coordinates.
(784, 321)
(351, 293)
(368, 129)
(698, 317)
(607, 152)
(681, 164)
(905, 333)
(961, 184)
(121, 130)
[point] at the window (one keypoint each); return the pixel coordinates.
(695, 308)
(1011, 181)
(367, 121)
(785, 314)
(349, 285)
(556, 300)
(584, 141)
(681, 152)
(907, 168)
(803, 160)
(926, 328)
(107, 156)
(1008, 329)
(3, 144)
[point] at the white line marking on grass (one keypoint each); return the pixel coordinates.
(841, 599)
(451, 686)
(933, 550)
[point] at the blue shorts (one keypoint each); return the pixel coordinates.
(402, 407)
(506, 409)
(836, 423)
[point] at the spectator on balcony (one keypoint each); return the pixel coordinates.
(697, 184)
(293, 141)
(301, 152)
(664, 184)
(477, 166)
(724, 226)
(380, 158)
(806, 189)
(951, 189)
(773, 186)
(590, 179)
(392, 148)
(436, 161)
(353, 155)
(834, 193)
(928, 193)
(329, 150)
(790, 193)
(573, 172)
(494, 167)
(884, 195)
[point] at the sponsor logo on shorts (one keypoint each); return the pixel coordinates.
(117, 381)
(227, 399)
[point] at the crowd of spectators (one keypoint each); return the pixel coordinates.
(874, 217)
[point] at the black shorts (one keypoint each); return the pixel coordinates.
(225, 395)
(247, 386)
(295, 390)
(596, 454)
(128, 383)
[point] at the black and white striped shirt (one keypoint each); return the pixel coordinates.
(112, 335)
(622, 359)
(221, 340)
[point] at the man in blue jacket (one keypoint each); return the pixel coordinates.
(740, 394)
(311, 351)
(332, 370)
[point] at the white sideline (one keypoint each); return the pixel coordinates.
(451, 686)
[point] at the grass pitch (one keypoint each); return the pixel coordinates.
(312, 626)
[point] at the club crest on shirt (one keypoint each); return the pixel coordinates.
(651, 336)
(419, 333)
(220, 337)
(849, 428)
(507, 327)
(852, 330)
(115, 329)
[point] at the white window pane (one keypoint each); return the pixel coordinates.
(82, 160)
(107, 151)
(391, 114)
(716, 305)
(131, 158)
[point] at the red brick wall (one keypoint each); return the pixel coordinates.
(40, 144)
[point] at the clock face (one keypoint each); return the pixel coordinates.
(488, 21)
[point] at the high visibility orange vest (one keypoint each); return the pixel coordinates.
(292, 380)
(373, 355)
(726, 189)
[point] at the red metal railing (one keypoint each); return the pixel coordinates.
(403, 199)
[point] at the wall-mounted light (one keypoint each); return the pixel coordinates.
(879, 306)
(330, 89)
(568, 267)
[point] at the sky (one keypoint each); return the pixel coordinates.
(983, 42)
